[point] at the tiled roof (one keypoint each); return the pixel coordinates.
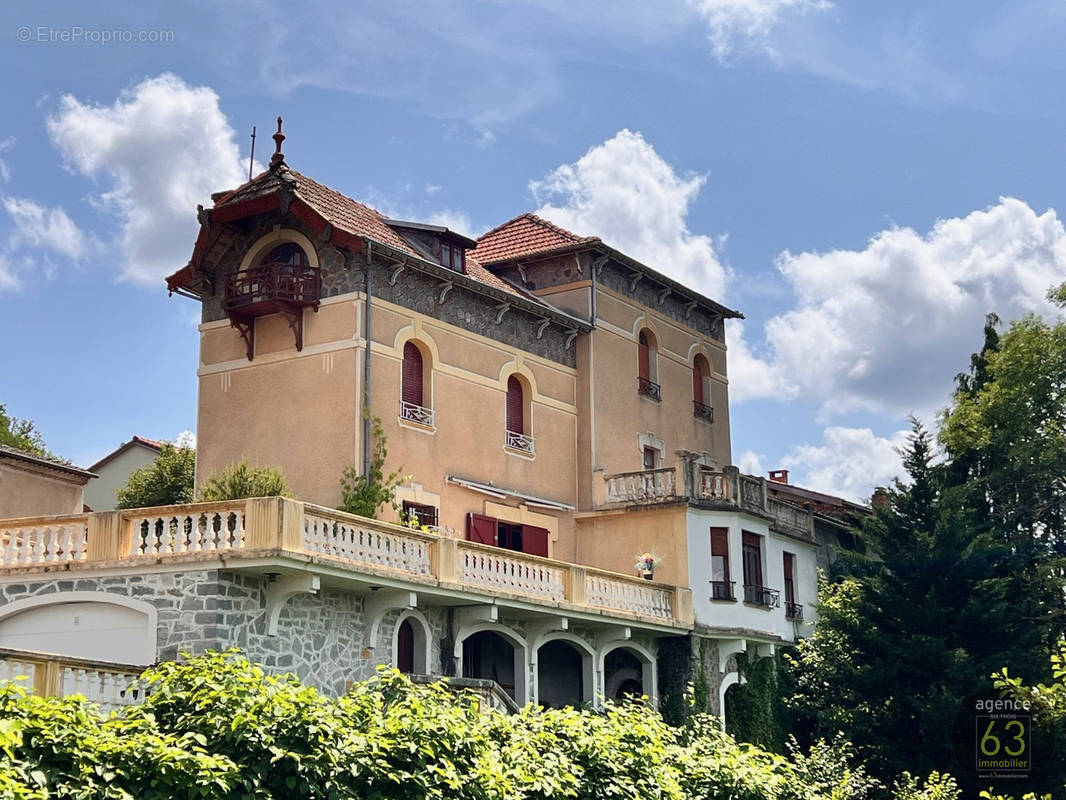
(351, 216)
(150, 442)
(525, 235)
(43, 461)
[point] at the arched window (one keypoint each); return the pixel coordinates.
(518, 427)
(405, 647)
(647, 367)
(416, 405)
(701, 388)
(288, 253)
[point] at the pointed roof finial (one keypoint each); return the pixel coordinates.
(279, 137)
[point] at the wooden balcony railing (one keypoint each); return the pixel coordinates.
(272, 283)
(276, 526)
(111, 685)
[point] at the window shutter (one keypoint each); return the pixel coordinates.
(515, 406)
(644, 359)
(481, 529)
(412, 374)
(720, 547)
(697, 383)
(535, 541)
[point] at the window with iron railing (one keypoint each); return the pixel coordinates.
(794, 611)
(722, 590)
(762, 596)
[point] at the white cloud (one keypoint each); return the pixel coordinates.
(625, 193)
(850, 463)
(748, 22)
(5, 145)
(160, 148)
(186, 438)
(40, 227)
(886, 328)
(454, 220)
(749, 374)
(9, 280)
(751, 463)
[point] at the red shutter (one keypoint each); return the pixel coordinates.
(535, 541)
(720, 546)
(697, 382)
(412, 374)
(481, 529)
(515, 406)
(644, 358)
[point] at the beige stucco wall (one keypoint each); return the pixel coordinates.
(100, 491)
(614, 539)
(26, 492)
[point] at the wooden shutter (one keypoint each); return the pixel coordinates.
(535, 541)
(644, 358)
(790, 587)
(412, 374)
(697, 382)
(481, 529)
(515, 406)
(720, 547)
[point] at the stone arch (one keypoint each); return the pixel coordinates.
(613, 679)
(423, 640)
(275, 237)
(99, 626)
(585, 652)
(520, 659)
(729, 680)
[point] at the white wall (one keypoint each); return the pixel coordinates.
(737, 614)
(100, 492)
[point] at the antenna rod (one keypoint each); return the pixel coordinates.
(251, 158)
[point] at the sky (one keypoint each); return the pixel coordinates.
(865, 181)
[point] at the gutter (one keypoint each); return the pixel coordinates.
(366, 371)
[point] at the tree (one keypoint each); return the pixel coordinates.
(22, 434)
(240, 480)
(365, 494)
(166, 481)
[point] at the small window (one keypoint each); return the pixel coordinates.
(647, 367)
(515, 406)
(651, 458)
(412, 374)
(420, 513)
(452, 256)
(701, 388)
(790, 585)
(721, 586)
(752, 559)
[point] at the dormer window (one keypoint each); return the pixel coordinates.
(452, 256)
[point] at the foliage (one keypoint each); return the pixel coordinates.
(365, 494)
(22, 434)
(218, 726)
(166, 481)
(1046, 699)
(240, 480)
(754, 710)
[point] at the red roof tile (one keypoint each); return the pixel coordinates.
(525, 235)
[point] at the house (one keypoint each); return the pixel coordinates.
(114, 469)
(32, 485)
(560, 408)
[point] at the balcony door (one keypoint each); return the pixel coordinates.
(752, 554)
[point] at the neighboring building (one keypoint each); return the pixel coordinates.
(114, 469)
(32, 485)
(561, 408)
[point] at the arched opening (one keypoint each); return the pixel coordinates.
(628, 672)
(416, 402)
(411, 640)
(647, 364)
(489, 656)
(519, 430)
(730, 696)
(563, 675)
(701, 387)
(289, 253)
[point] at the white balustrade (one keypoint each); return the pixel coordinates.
(43, 543)
(647, 486)
(109, 689)
(713, 485)
(333, 535)
(510, 572)
(625, 595)
(187, 531)
(15, 669)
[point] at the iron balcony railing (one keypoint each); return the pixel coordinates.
(519, 441)
(794, 611)
(722, 590)
(762, 596)
(648, 388)
(416, 413)
(273, 282)
(702, 411)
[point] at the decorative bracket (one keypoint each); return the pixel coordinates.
(502, 309)
(522, 273)
(445, 287)
(279, 591)
(396, 273)
(664, 294)
(690, 308)
(727, 648)
(295, 318)
(285, 197)
(634, 279)
(598, 265)
(542, 325)
(380, 603)
(327, 233)
(246, 327)
(570, 339)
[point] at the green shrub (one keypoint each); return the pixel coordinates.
(166, 481)
(238, 481)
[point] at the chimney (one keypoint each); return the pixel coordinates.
(779, 475)
(879, 498)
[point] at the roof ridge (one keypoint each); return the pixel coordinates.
(301, 177)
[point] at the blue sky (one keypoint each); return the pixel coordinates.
(863, 180)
